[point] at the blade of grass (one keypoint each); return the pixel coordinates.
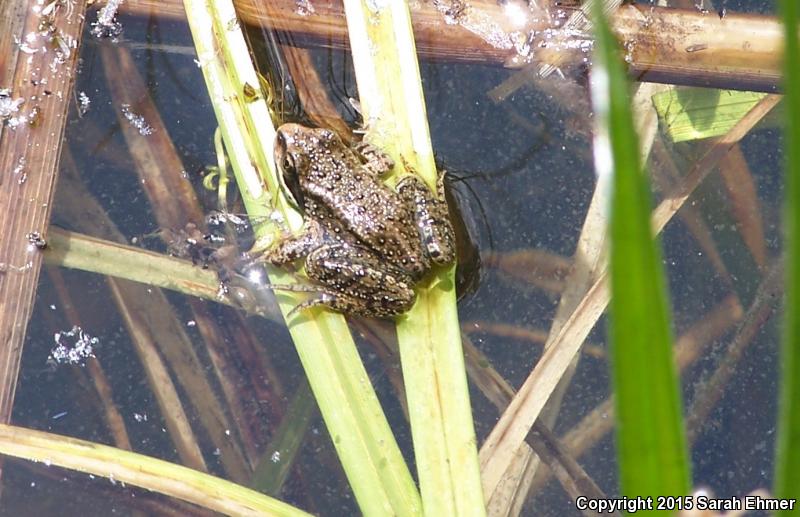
(650, 442)
(270, 474)
(143, 471)
(390, 90)
(79, 251)
(787, 455)
(375, 468)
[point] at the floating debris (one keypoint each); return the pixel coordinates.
(27, 45)
(107, 25)
(233, 24)
(83, 103)
(136, 121)
(304, 8)
(72, 347)
(377, 6)
(5, 267)
(64, 46)
(19, 170)
(35, 239)
(453, 11)
(219, 219)
(9, 107)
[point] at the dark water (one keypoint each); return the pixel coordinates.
(527, 163)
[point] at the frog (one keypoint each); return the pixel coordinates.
(364, 245)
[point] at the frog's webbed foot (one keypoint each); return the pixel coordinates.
(292, 247)
(432, 218)
(375, 160)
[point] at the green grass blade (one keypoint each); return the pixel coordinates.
(787, 455)
(279, 457)
(429, 336)
(87, 253)
(375, 468)
(143, 471)
(650, 439)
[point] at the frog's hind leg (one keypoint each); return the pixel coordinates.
(329, 299)
(344, 304)
(358, 282)
(432, 218)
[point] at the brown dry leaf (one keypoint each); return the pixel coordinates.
(745, 206)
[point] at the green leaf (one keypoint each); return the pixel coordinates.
(787, 455)
(689, 113)
(650, 439)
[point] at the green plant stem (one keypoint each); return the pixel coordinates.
(274, 467)
(375, 468)
(78, 251)
(143, 471)
(429, 336)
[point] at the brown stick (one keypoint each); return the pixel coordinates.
(738, 51)
(29, 164)
(674, 46)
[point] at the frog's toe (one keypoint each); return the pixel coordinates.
(308, 304)
(374, 159)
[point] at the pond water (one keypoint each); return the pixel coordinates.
(524, 175)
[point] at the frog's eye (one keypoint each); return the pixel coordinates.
(288, 162)
(291, 166)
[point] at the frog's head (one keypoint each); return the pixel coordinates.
(295, 149)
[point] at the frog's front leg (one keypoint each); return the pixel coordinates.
(292, 247)
(355, 281)
(432, 218)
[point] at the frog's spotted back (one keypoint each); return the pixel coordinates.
(375, 243)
